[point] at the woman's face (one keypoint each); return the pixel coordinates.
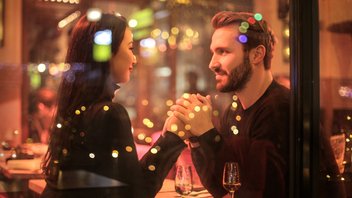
(121, 64)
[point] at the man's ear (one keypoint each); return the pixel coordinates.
(257, 54)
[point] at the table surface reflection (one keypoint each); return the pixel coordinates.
(167, 190)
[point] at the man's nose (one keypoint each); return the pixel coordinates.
(213, 64)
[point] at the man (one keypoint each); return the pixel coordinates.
(254, 129)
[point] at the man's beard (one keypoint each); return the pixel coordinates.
(239, 77)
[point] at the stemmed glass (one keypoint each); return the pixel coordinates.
(183, 180)
(231, 177)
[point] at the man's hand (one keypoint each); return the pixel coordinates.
(195, 111)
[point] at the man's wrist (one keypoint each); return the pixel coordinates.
(201, 130)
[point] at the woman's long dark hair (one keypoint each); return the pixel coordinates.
(87, 82)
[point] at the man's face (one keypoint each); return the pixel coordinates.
(229, 63)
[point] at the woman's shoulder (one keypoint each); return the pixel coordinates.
(107, 106)
(104, 110)
(107, 115)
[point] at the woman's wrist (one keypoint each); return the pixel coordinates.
(193, 142)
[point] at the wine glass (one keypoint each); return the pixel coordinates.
(231, 177)
(183, 180)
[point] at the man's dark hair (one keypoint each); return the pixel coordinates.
(258, 32)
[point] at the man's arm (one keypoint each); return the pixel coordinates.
(203, 151)
(214, 151)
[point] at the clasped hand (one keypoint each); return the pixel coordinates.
(191, 116)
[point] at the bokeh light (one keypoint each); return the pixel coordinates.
(148, 139)
(92, 155)
(129, 149)
(245, 24)
(151, 167)
(141, 136)
(242, 38)
(155, 33)
(234, 97)
(234, 105)
(94, 14)
(154, 150)
(251, 20)
(83, 108)
(148, 43)
(242, 29)
(106, 108)
(115, 154)
(102, 45)
(41, 67)
(174, 127)
(238, 118)
(205, 108)
(132, 23)
(175, 30)
(215, 113)
(169, 103)
(145, 102)
(258, 16)
(181, 133)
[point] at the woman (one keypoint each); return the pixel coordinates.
(91, 132)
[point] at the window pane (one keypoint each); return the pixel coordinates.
(171, 45)
(336, 96)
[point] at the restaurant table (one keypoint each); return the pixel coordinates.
(37, 185)
(76, 179)
(14, 182)
(168, 189)
(24, 174)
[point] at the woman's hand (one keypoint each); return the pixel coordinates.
(176, 126)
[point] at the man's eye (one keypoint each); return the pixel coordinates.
(221, 51)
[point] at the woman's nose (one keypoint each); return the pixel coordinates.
(134, 59)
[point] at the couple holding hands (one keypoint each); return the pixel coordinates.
(93, 133)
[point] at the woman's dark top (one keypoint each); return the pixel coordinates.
(103, 144)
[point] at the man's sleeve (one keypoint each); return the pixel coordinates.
(206, 162)
(215, 150)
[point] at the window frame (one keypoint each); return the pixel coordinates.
(305, 110)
